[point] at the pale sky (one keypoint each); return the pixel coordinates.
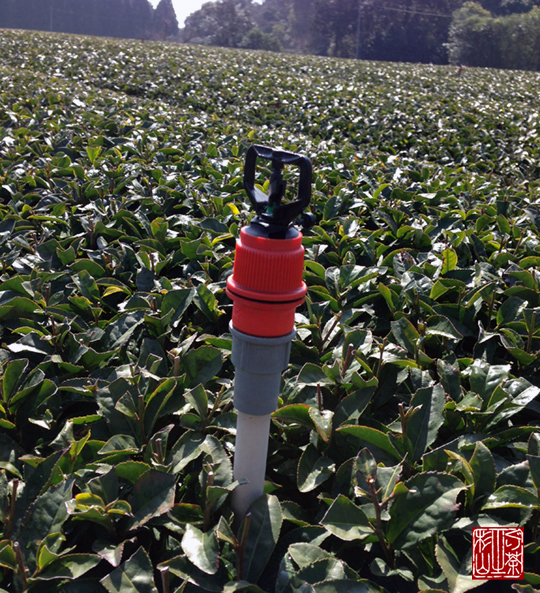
(183, 8)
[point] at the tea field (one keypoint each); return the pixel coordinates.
(409, 411)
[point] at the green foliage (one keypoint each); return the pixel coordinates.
(228, 23)
(409, 411)
(403, 30)
(111, 18)
(477, 38)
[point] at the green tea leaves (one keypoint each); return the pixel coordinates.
(409, 408)
(347, 521)
(264, 525)
(135, 574)
(427, 507)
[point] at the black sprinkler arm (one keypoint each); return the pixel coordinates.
(270, 211)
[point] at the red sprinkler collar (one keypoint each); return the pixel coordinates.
(266, 285)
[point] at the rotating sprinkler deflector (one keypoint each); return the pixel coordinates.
(266, 286)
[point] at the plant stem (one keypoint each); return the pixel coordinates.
(490, 310)
(217, 402)
(159, 451)
(531, 332)
(379, 364)
(403, 420)
(9, 524)
(207, 506)
(347, 361)
(461, 294)
(140, 417)
(331, 329)
(165, 579)
(379, 526)
(242, 546)
(20, 564)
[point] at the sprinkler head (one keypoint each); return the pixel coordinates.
(275, 218)
(266, 285)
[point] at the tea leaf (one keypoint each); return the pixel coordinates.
(313, 469)
(152, 496)
(201, 549)
(262, 536)
(458, 574)
(347, 521)
(424, 425)
(427, 507)
(510, 496)
(133, 575)
(70, 566)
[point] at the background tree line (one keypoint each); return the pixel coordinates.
(497, 33)
(107, 18)
(495, 40)
(492, 33)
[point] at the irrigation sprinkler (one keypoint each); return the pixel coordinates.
(266, 286)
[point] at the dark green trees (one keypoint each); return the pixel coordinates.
(490, 33)
(107, 18)
(235, 23)
(479, 38)
(165, 23)
(397, 30)
(334, 25)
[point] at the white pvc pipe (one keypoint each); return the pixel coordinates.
(250, 456)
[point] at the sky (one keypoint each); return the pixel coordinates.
(183, 8)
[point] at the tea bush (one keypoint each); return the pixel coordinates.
(409, 411)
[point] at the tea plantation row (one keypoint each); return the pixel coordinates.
(409, 412)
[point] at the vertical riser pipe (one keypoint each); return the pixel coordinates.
(259, 363)
(250, 460)
(266, 286)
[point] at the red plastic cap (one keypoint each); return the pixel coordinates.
(266, 285)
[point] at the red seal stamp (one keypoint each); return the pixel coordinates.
(497, 553)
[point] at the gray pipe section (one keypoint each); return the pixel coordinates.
(259, 364)
(250, 453)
